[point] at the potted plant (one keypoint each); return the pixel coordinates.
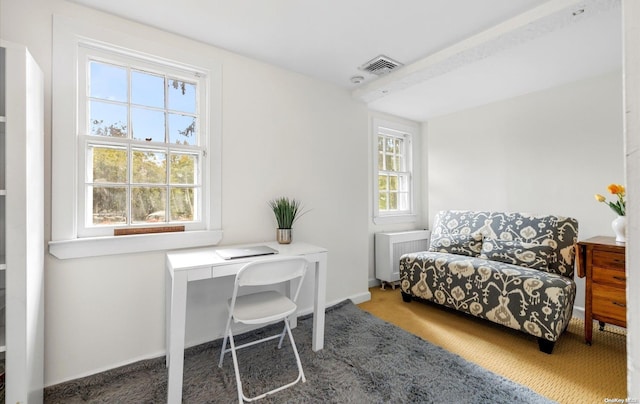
(287, 211)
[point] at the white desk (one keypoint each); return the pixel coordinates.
(203, 263)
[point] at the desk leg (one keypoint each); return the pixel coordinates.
(177, 320)
(168, 283)
(319, 303)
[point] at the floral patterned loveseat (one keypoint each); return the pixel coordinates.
(514, 269)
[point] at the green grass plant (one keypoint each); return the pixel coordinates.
(287, 211)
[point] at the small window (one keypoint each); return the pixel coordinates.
(393, 188)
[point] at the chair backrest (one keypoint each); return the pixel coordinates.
(272, 271)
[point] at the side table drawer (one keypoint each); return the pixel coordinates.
(608, 259)
(608, 276)
(609, 302)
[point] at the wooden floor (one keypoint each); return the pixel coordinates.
(574, 373)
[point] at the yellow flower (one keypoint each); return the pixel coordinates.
(620, 205)
(616, 189)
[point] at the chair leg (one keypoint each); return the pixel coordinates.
(287, 330)
(236, 368)
(284, 331)
(224, 347)
(224, 342)
(295, 351)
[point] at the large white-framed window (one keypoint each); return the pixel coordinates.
(136, 142)
(393, 171)
(142, 143)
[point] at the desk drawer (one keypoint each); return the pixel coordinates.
(608, 276)
(609, 302)
(608, 259)
(199, 273)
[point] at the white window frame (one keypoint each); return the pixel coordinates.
(407, 133)
(68, 238)
(89, 52)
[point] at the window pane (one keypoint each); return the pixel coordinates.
(393, 201)
(182, 204)
(404, 183)
(389, 145)
(393, 183)
(380, 143)
(183, 168)
(109, 205)
(182, 96)
(149, 167)
(382, 183)
(147, 125)
(182, 129)
(147, 89)
(403, 201)
(109, 164)
(391, 163)
(106, 119)
(108, 82)
(148, 204)
(397, 146)
(382, 201)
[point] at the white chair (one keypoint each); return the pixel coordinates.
(264, 308)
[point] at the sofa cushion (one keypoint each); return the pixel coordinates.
(536, 302)
(561, 233)
(529, 255)
(460, 244)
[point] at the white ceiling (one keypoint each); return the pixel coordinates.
(457, 53)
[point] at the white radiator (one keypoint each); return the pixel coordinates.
(391, 246)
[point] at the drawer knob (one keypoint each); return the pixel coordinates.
(619, 304)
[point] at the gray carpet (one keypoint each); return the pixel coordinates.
(365, 360)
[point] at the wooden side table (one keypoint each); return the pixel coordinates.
(602, 261)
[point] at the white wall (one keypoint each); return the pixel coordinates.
(283, 134)
(548, 152)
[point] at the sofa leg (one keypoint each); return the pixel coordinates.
(545, 345)
(406, 297)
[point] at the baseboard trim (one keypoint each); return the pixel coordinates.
(107, 368)
(361, 298)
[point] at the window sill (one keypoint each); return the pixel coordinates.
(408, 218)
(111, 245)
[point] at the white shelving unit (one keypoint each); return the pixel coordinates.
(3, 194)
(21, 225)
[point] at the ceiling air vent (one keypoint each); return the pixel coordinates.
(380, 65)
